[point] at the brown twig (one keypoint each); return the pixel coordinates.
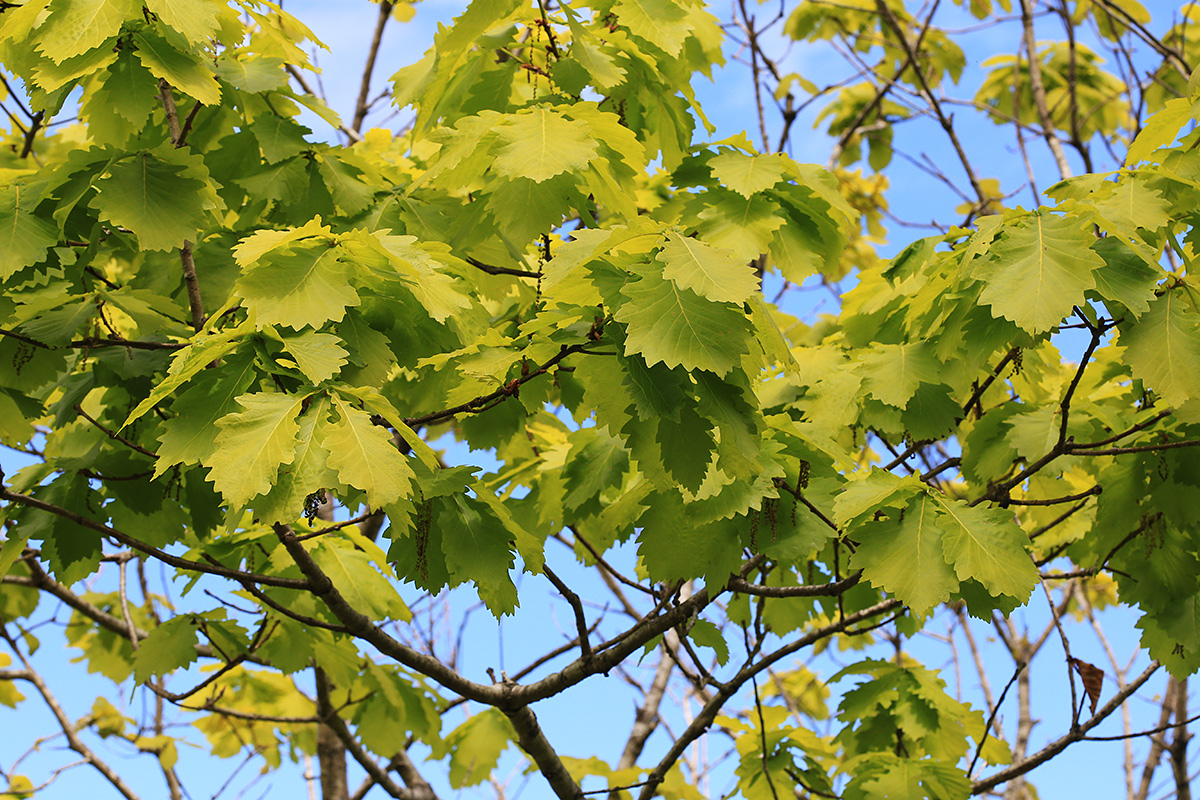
(362, 105)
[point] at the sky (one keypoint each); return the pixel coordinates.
(345, 26)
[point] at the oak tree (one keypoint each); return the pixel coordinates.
(240, 352)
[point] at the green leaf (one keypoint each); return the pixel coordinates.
(308, 471)
(539, 144)
(437, 292)
(121, 105)
(1163, 347)
(351, 194)
(187, 437)
(360, 582)
(24, 238)
(477, 547)
(71, 550)
(319, 356)
(162, 200)
(871, 491)
(253, 444)
(660, 22)
(892, 372)
(706, 634)
(75, 26)
(183, 71)
(706, 270)
(476, 745)
(749, 175)
(1161, 129)
(203, 351)
(587, 49)
(365, 457)
(687, 447)
(904, 556)
(1038, 270)
(906, 779)
(279, 137)
(195, 19)
(170, 646)
(679, 327)
(987, 545)
(743, 225)
(1125, 277)
(297, 286)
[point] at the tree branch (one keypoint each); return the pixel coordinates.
(534, 743)
(64, 722)
(362, 105)
(1057, 746)
(142, 547)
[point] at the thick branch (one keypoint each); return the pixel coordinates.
(534, 743)
(509, 696)
(816, 590)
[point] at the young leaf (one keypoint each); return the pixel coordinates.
(318, 355)
(360, 582)
(1039, 270)
(253, 444)
(170, 646)
(749, 175)
(706, 270)
(365, 456)
(297, 286)
(904, 556)
(76, 26)
(986, 545)
(679, 327)
(539, 144)
(1163, 347)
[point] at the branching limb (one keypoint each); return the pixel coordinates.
(338, 727)
(647, 714)
(41, 580)
(1157, 743)
(709, 712)
(64, 722)
(816, 590)
(494, 270)
(509, 696)
(113, 434)
(1057, 746)
(484, 402)
(946, 122)
(1178, 747)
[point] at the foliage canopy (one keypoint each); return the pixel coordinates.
(214, 324)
